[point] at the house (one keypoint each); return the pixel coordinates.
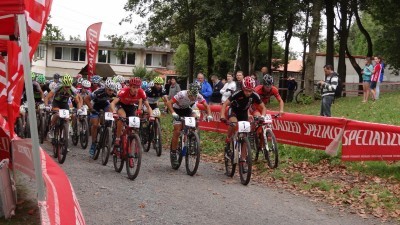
(70, 57)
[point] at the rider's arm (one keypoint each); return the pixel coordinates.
(226, 104)
(281, 105)
(207, 107)
(149, 110)
(78, 100)
(262, 108)
(169, 105)
(49, 96)
(113, 103)
(87, 100)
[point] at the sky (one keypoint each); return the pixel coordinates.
(74, 16)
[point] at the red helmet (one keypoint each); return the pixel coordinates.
(135, 81)
(248, 83)
(78, 76)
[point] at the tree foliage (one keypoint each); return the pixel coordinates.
(52, 32)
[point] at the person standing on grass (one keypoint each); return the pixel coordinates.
(206, 89)
(328, 88)
(375, 76)
(366, 75)
(292, 87)
(380, 79)
(216, 95)
(229, 87)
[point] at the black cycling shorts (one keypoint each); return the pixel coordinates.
(184, 112)
(60, 105)
(240, 115)
(129, 109)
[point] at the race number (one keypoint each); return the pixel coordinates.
(268, 118)
(83, 111)
(134, 122)
(42, 106)
(64, 113)
(108, 116)
(244, 126)
(190, 121)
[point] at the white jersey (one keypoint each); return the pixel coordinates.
(181, 100)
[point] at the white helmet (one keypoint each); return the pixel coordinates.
(86, 84)
(109, 84)
(117, 86)
(53, 86)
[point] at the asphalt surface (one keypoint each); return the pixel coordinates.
(161, 195)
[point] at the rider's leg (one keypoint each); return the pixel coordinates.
(121, 113)
(175, 136)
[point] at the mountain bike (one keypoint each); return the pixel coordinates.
(264, 140)
(60, 140)
(239, 152)
(80, 128)
(189, 146)
(154, 133)
(130, 149)
(41, 117)
(103, 137)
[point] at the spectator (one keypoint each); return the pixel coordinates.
(328, 88)
(366, 75)
(292, 87)
(167, 86)
(174, 88)
(229, 87)
(239, 80)
(375, 76)
(206, 89)
(216, 95)
(380, 79)
(264, 71)
(223, 81)
(254, 76)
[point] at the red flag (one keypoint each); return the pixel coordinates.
(92, 46)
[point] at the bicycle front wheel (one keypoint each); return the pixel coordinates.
(75, 135)
(134, 158)
(245, 163)
(300, 96)
(157, 137)
(100, 132)
(63, 143)
(230, 165)
(192, 158)
(84, 135)
(271, 149)
(105, 150)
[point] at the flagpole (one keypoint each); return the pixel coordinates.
(31, 106)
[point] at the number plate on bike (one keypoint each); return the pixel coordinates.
(244, 126)
(109, 116)
(134, 122)
(83, 112)
(41, 106)
(190, 121)
(268, 118)
(64, 113)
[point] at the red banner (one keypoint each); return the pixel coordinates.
(23, 157)
(92, 46)
(4, 139)
(370, 141)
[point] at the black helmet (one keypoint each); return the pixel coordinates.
(56, 76)
(268, 80)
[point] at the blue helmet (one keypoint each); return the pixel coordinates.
(144, 85)
(96, 79)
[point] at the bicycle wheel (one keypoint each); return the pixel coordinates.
(99, 142)
(55, 141)
(134, 158)
(75, 135)
(157, 137)
(300, 96)
(271, 149)
(192, 158)
(178, 155)
(118, 162)
(84, 134)
(151, 136)
(63, 142)
(43, 127)
(246, 164)
(39, 125)
(257, 144)
(230, 166)
(27, 127)
(105, 150)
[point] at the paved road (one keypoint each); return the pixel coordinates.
(160, 195)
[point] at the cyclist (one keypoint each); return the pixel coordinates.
(101, 99)
(155, 92)
(180, 106)
(119, 80)
(265, 91)
(125, 102)
(37, 90)
(239, 104)
(144, 85)
(96, 79)
(41, 79)
(61, 95)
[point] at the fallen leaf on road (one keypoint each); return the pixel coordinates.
(142, 205)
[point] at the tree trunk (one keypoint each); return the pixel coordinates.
(192, 51)
(313, 44)
(210, 58)
(330, 40)
(362, 29)
(270, 43)
(235, 65)
(244, 53)
(343, 34)
(357, 68)
(305, 45)
(288, 37)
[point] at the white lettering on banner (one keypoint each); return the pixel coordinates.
(371, 138)
(4, 144)
(321, 131)
(92, 48)
(286, 126)
(25, 151)
(216, 115)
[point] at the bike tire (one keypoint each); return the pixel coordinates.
(150, 137)
(27, 127)
(256, 145)
(157, 138)
(179, 155)
(100, 131)
(84, 135)
(271, 152)
(299, 96)
(134, 158)
(75, 135)
(40, 127)
(245, 176)
(118, 163)
(63, 143)
(105, 150)
(230, 166)
(55, 141)
(192, 158)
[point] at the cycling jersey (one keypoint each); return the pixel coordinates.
(153, 95)
(61, 95)
(126, 98)
(265, 96)
(181, 100)
(241, 103)
(45, 87)
(36, 92)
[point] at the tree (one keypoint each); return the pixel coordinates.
(52, 32)
(343, 34)
(143, 73)
(330, 32)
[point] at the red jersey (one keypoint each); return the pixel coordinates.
(377, 72)
(265, 96)
(126, 98)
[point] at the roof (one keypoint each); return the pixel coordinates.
(293, 66)
(108, 44)
(104, 70)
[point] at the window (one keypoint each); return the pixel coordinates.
(149, 59)
(40, 51)
(103, 56)
(58, 53)
(82, 54)
(66, 53)
(131, 58)
(164, 60)
(75, 54)
(122, 59)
